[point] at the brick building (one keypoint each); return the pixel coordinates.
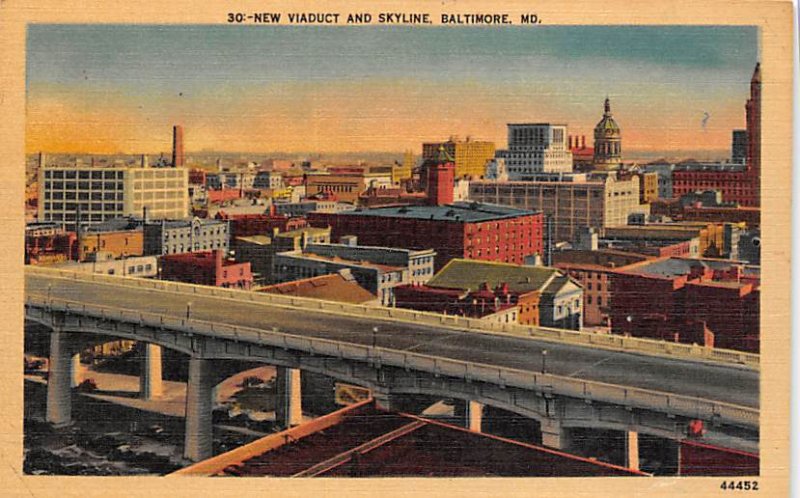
(206, 268)
(245, 225)
(119, 237)
(47, 243)
(452, 229)
(740, 184)
(711, 302)
(593, 269)
(528, 295)
(469, 156)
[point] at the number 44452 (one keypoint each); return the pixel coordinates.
(739, 485)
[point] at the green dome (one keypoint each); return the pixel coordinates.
(607, 126)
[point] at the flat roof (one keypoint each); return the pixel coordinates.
(468, 212)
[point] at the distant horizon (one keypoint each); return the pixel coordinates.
(99, 89)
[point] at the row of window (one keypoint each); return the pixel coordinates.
(57, 185)
(83, 196)
(84, 174)
(85, 206)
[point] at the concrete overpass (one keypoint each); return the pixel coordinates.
(561, 379)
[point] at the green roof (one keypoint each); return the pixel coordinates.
(470, 274)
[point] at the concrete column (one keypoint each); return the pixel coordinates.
(59, 396)
(553, 435)
(76, 370)
(289, 407)
(150, 379)
(469, 414)
(199, 430)
(632, 450)
(474, 416)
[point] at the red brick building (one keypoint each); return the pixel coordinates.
(455, 230)
(206, 268)
(49, 243)
(740, 185)
(246, 225)
(711, 302)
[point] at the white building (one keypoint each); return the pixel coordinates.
(105, 193)
(536, 148)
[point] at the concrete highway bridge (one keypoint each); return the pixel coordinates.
(561, 379)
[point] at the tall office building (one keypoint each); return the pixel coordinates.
(739, 146)
(469, 156)
(536, 148)
(100, 194)
(178, 157)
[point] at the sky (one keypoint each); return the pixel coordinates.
(120, 88)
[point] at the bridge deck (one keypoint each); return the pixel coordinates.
(722, 383)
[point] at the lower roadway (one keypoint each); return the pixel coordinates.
(727, 384)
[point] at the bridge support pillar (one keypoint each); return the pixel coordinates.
(199, 429)
(470, 414)
(59, 395)
(632, 450)
(150, 381)
(289, 407)
(553, 435)
(76, 371)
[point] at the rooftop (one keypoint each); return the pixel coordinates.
(340, 260)
(470, 274)
(468, 212)
(116, 225)
(675, 267)
(363, 440)
(340, 287)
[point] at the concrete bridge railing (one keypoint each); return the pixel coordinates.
(608, 341)
(566, 386)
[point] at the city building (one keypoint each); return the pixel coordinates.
(346, 184)
(48, 243)
(710, 236)
(205, 268)
(739, 183)
(418, 262)
(259, 250)
(244, 225)
(528, 295)
(106, 264)
(340, 287)
(648, 184)
(101, 194)
(459, 230)
(118, 237)
(469, 156)
(268, 180)
(593, 270)
(536, 148)
(163, 237)
(379, 279)
(664, 171)
(607, 142)
(322, 204)
(739, 147)
(582, 156)
(707, 302)
(571, 202)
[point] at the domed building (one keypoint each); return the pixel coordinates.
(607, 142)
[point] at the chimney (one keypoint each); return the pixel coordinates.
(583, 141)
(570, 141)
(177, 146)
(143, 161)
(144, 214)
(219, 259)
(42, 159)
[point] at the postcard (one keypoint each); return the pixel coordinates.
(414, 248)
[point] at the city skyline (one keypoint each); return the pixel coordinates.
(115, 89)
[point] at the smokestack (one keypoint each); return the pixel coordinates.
(42, 159)
(143, 162)
(92, 163)
(177, 146)
(570, 141)
(583, 141)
